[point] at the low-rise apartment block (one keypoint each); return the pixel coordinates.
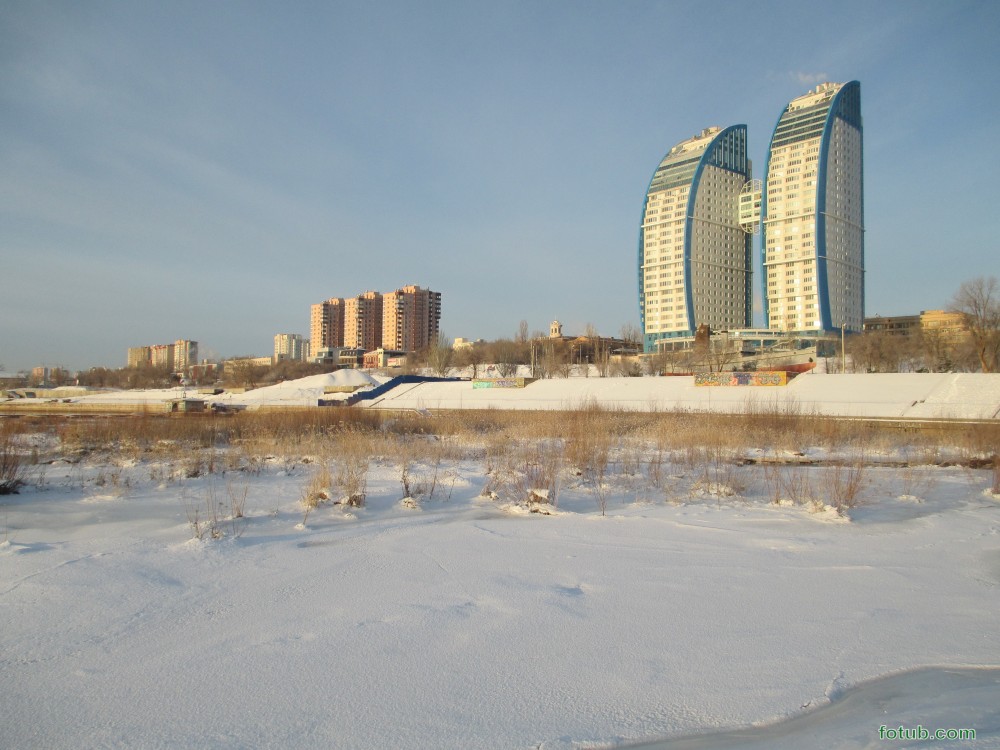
(948, 326)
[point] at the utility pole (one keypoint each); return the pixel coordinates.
(843, 350)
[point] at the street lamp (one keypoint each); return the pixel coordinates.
(843, 350)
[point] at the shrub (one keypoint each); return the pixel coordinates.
(316, 490)
(354, 455)
(846, 482)
(12, 462)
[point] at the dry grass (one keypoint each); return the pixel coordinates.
(793, 485)
(518, 448)
(13, 463)
(539, 467)
(845, 481)
(352, 457)
(316, 490)
(307, 430)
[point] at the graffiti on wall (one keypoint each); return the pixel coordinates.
(741, 378)
(500, 383)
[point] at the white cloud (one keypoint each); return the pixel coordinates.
(810, 79)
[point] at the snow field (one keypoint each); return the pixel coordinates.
(887, 395)
(695, 603)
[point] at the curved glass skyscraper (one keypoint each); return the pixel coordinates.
(694, 258)
(812, 222)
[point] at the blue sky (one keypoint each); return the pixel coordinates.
(209, 170)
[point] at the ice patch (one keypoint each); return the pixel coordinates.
(930, 697)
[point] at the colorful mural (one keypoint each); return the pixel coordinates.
(501, 382)
(741, 378)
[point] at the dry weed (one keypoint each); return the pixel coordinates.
(12, 462)
(316, 490)
(353, 458)
(789, 484)
(539, 471)
(845, 482)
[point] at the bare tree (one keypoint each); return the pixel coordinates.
(631, 335)
(439, 355)
(471, 356)
(979, 301)
(507, 355)
(243, 372)
(522, 332)
(876, 351)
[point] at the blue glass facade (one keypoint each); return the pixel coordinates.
(726, 151)
(835, 226)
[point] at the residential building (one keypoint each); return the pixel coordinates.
(406, 319)
(262, 362)
(951, 327)
(941, 327)
(290, 346)
(411, 318)
(162, 356)
(380, 358)
(896, 325)
(326, 325)
(177, 357)
(694, 256)
(363, 321)
(812, 224)
(41, 376)
(185, 354)
(139, 356)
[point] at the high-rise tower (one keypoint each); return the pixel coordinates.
(694, 257)
(363, 321)
(326, 325)
(812, 239)
(411, 317)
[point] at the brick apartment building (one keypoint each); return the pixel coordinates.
(406, 319)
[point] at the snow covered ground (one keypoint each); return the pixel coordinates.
(459, 621)
(889, 395)
(908, 395)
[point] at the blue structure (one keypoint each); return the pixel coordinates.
(812, 214)
(694, 259)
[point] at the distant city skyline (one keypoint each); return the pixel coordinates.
(211, 170)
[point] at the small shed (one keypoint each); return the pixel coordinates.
(187, 405)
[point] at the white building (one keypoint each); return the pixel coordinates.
(290, 346)
(812, 244)
(694, 257)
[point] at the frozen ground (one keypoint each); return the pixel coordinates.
(466, 623)
(909, 395)
(888, 395)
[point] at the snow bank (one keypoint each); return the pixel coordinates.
(965, 395)
(462, 626)
(910, 395)
(303, 391)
